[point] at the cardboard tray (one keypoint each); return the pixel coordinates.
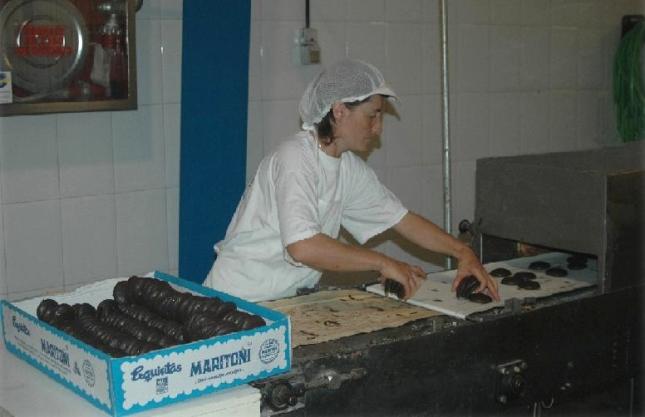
(126, 385)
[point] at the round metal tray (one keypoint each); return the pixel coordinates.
(52, 70)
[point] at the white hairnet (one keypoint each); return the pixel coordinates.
(346, 81)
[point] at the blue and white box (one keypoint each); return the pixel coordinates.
(122, 386)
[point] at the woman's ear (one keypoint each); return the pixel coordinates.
(339, 109)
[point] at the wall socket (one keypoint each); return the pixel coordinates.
(306, 50)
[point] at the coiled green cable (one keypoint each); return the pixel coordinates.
(629, 95)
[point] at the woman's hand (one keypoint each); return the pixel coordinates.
(409, 276)
(468, 264)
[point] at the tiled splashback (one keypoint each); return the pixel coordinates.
(526, 76)
(87, 196)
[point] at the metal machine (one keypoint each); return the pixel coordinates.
(528, 354)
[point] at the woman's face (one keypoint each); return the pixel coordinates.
(359, 125)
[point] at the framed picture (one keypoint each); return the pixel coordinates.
(67, 56)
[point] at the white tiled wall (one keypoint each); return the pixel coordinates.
(86, 196)
(526, 76)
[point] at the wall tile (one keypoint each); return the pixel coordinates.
(431, 59)
(403, 41)
(564, 58)
(470, 134)
(431, 12)
(254, 138)
(366, 10)
(281, 78)
(32, 233)
(403, 10)
(367, 41)
(473, 65)
(563, 121)
(89, 239)
(588, 120)
(409, 185)
(280, 120)
(433, 194)
(141, 232)
(591, 13)
(328, 10)
(3, 266)
(591, 59)
(85, 154)
(565, 13)
(171, 60)
(505, 58)
(536, 12)
(505, 116)
(283, 10)
(475, 12)
(171, 9)
(149, 63)
(332, 40)
(172, 216)
(256, 10)
(431, 130)
(28, 158)
(171, 133)
(404, 134)
(534, 71)
(138, 149)
(535, 128)
(505, 12)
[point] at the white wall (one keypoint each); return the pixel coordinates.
(86, 196)
(526, 76)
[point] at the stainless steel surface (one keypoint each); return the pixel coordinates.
(445, 122)
(46, 72)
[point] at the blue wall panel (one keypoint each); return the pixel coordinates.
(213, 126)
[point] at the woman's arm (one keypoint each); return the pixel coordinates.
(324, 253)
(429, 236)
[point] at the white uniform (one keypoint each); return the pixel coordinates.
(298, 192)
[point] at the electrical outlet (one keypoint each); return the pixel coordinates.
(306, 49)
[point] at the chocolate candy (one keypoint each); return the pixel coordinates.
(556, 271)
(539, 265)
(500, 272)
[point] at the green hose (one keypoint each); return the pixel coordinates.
(629, 95)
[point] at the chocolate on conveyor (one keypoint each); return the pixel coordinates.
(394, 287)
(539, 265)
(524, 275)
(466, 289)
(500, 272)
(556, 271)
(523, 280)
(528, 284)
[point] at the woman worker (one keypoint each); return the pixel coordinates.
(285, 229)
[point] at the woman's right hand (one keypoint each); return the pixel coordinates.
(410, 276)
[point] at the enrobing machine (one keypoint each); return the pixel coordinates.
(529, 353)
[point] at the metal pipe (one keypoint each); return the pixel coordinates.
(445, 123)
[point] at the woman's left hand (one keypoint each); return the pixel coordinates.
(468, 264)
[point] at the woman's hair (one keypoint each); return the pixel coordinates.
(325, 128)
